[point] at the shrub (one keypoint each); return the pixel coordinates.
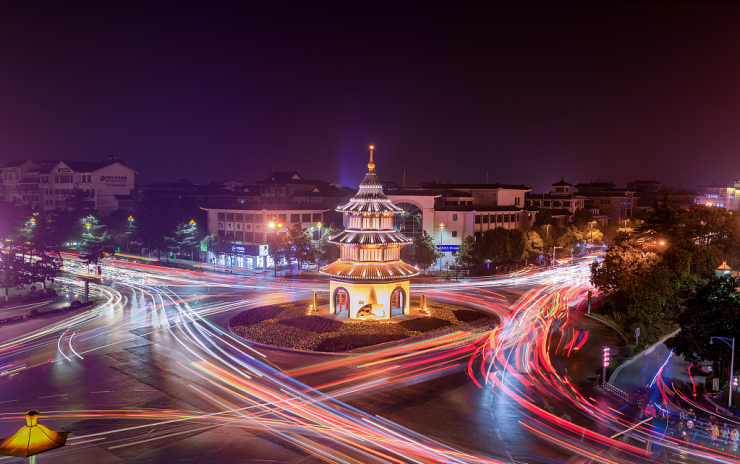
(256, 315)
(350, 342)
(316, 324)
(465, 315)
(424, 324)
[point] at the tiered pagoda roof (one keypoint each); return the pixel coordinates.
(370, 201)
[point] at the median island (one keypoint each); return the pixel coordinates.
(296, 325)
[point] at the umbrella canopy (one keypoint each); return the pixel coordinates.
(32, 439)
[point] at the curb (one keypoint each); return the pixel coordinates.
(655, 346)
(606, 323)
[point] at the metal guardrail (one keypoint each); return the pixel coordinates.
(616, 391)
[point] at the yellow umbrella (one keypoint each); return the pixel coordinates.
(32, 439)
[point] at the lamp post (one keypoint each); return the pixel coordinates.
(192, 250)
(592, 232)
(274, 260)
(441, 232)
(130, 227)
(552, 261)
(732, 362)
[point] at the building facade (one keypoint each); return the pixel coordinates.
(720, 196)
(259, 213)
(48, 185)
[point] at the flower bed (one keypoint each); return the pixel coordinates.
(289, 325)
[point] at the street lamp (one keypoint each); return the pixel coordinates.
(732, 362)
(441, 232)
(192, 251)
(318, 224)
(592, 231)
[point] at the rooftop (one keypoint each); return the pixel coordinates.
(435, 185)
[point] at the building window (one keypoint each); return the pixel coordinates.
(316, 217)
(506, 218)
(295, 218)
(409, 222)
(454, 217)
(239, 217)
(454, 233)
(221, 216)
(485, 219)
(306, 217)
(282, 218)
(477, 219)
(499, 219)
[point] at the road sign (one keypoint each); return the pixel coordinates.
(264, 250)
(33, 288)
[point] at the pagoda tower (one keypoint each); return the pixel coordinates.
(369, 281)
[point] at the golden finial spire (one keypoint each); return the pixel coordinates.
(371, 164)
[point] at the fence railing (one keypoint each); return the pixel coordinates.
(616, 391)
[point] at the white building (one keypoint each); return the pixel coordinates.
(449, 212)
(49, 185)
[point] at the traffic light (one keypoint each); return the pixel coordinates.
(606, 354)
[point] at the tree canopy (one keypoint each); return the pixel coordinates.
(710, 312)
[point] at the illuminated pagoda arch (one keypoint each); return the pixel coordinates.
(369, 280)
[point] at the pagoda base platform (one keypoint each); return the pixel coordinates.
(369, 300)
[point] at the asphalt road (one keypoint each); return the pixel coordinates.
(151, 375)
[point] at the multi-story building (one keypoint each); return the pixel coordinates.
(561, 202)
(53, 184)
(648, 191)
(269, 208)
(721, 196)
(449, 212)
(609, 203)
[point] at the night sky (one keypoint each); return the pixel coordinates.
(529, 92)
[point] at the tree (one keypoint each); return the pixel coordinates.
(426, 253)
(277, 249)
(14, 270)
(46, 267)
(299, 245)
(157, 221)
(98, 246)
(543, 218)
(468, 251)
(662, 221)
(518, 243)
(535, 245)
(710, 312)
(495, 245)
(184, 239)
(582, 217)
(329, 252)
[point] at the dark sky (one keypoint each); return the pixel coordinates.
(529, 92)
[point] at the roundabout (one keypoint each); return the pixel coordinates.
(295, 325)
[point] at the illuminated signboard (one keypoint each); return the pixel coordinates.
(264, 250)
(452, 248)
